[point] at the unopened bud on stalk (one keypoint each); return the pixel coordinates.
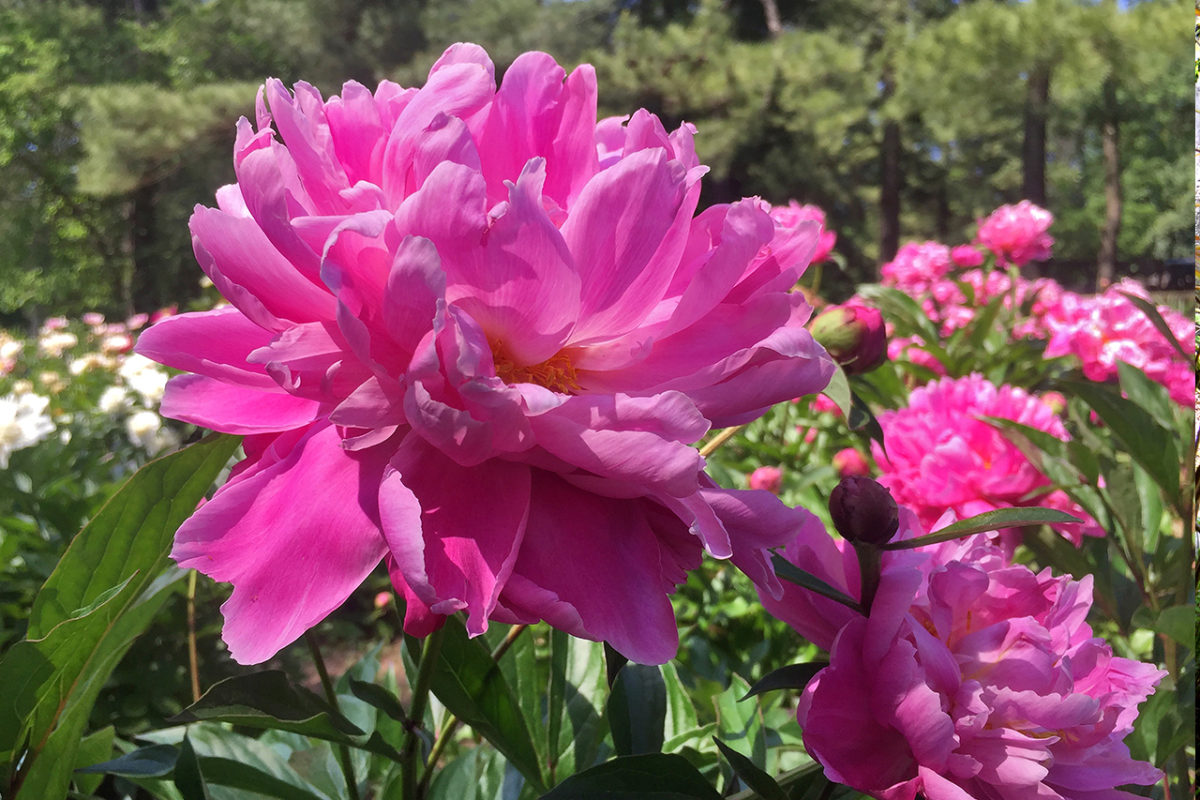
(863, 511)
(854, 336)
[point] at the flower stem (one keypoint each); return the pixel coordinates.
(416, 717)
(193, 659)
(720, 439)
(331, 696)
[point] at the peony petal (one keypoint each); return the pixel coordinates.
(215, 343)
(229, 408)
(291, 555)
(457, 555)
(590, 566)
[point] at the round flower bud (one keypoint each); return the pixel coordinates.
(864, 511)
(854, 336)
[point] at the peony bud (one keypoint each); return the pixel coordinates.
(853, 335)
(864, 511)
(767, 478)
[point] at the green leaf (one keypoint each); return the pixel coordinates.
(102, 594)
(154, 761)
(235, 774)
(556, 691)
(637, 710)
(469, 682)
(380, 698)
(1178, 623)
(92, 748)
(793, 574)
(1158, 322)
(861, 418)
(681, 713)
(189, 780)
(1148, 443)
(987, 521)
(838, 390)
(268, 700)
(793, 676)
(751, 775)
(646, 777)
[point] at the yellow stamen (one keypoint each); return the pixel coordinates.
(556, 373)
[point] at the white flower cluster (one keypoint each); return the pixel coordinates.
(23, 422)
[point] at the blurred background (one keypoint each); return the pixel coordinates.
(903, 119)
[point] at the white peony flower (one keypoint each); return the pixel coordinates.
(23, 422)
(55, 342)
(112, 400)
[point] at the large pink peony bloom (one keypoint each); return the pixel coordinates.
(971, 678)
(917, 266)
(474, 332)
(942, 455)
(794, 214)
(1107, 329)
(1016, 234)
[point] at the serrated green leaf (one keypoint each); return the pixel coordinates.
(656, 776)
(988, 521)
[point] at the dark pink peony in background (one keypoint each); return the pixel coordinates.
(1016, 234)
(942, 455)
(795, 214)
(474, 332)
(971, 678)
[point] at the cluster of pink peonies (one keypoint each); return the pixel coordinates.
(1107, 329)
(971, 678)
(942, 455)
(474, 332)
(1016, 234)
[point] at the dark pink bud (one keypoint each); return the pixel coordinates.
(864, 511)
(853, 334)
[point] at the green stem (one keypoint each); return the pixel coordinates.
(416, 716)
(331, 696)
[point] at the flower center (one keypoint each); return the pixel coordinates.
(556, 373)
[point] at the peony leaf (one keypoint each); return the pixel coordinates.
(751, 775)
(637, 710)
(189, 779)
(790, 572)
(102, 594)
(145, 762)
(793, 676)
(988, 521)
(658, 775)
(838, 391)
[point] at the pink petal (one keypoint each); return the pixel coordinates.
(415, 284)
(603, 579)
(454, 555)
(215, 343)
(291, 555)
(229, 408)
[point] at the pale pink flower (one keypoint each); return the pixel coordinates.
(1016, 234)
(916, 266)
(769, 479)
(942, 455)
(823, 405)
(1107, 329)
(474, 332)
(849, 461)
(793, 214)
(136, 321)
(970, 678)
(54, 324)
(92, 318)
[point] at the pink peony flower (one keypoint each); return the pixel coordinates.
(1107, 329)
(966, 256)
(910, 349)
(823, 405)
(849, 461)
(942, 455)
(970, 678)
(473, 332)
(917, 266)
(794, 214)
(92, 318)
(769, 479)
(1016, 234)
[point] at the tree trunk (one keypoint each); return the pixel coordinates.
(1109, 133)
(1037, 106)
(889, 195)
(771, 12)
